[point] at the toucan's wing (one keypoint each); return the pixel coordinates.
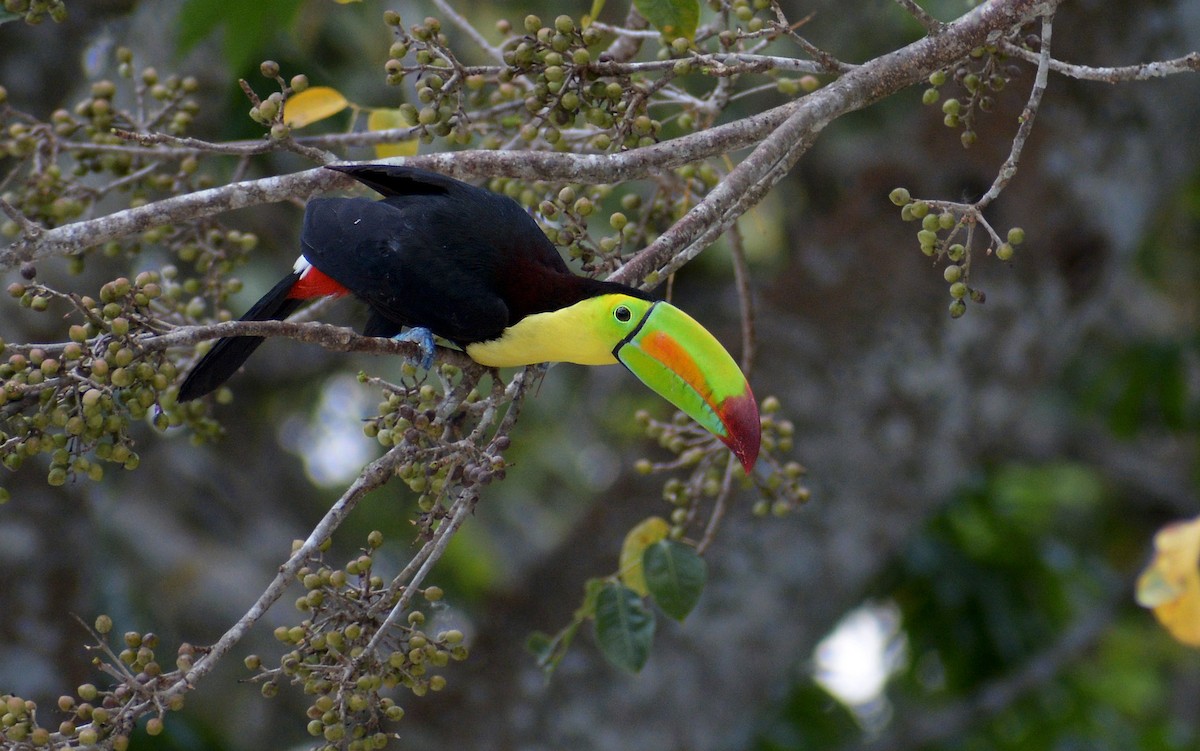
(412, 265)
(491, 218)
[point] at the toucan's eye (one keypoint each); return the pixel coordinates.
(622, 313)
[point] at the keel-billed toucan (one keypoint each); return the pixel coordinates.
(472, 267)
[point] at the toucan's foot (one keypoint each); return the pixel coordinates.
(424, 339)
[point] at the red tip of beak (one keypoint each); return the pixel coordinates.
(743, 431)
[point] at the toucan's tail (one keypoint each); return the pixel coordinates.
(228, 354)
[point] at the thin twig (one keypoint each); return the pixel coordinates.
(462, 507)
(720, 506)
(1189, 63)
(931, 24)
(622, 31)
(469, 29)
(733, 62)
(827, 62)
(30, 228)
(626, 45)
(373, 475)
(1009, 168)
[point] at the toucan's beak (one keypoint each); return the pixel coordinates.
(683, 363)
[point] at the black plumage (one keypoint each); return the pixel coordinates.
(434, 252)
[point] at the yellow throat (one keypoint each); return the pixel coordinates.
(580, 333)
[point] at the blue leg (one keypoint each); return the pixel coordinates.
(424, 339)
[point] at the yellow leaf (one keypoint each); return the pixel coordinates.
(313, 104)
(1171, 583)
(645, 534)
(346, 2)
(387, 119)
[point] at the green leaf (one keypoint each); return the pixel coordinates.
(591, 590)
(549, 650)
(674, 18)
(624, 627)
(6, 16)
(675, 576)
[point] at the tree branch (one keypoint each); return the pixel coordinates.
(750, 180)
(1189, 63)
(856, 89)
(333, 338)
(465, 26)
(1009, 169)
(931, 24)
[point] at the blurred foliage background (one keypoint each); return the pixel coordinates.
(987, 488)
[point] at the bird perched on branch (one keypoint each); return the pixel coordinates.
(440, 257)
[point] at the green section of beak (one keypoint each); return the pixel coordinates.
(683, 363)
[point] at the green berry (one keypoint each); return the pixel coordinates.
(900, 196)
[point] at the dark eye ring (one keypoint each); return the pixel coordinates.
(622, 313)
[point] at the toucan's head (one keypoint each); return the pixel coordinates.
(660, 344)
